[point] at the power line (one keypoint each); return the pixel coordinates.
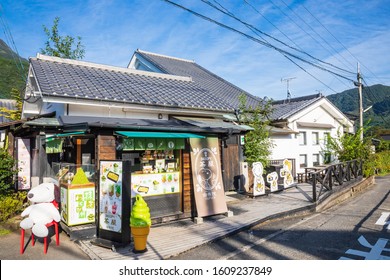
(310, 27)
(257, 40)
(11, 43)
(337, 40)
(255, 31)
(246, 2)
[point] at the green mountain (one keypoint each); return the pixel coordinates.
(11, 75)
(377, 96)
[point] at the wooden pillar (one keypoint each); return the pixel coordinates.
(187, 183)
(78, 151)
(105, 148)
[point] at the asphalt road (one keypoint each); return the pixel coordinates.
(67, 250)
(358, 228)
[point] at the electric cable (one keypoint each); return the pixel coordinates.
(255, 39)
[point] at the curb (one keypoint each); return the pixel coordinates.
(337, 196)
(344, 193)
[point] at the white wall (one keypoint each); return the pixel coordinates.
(322, 112)
(285, 146)
(112, 112)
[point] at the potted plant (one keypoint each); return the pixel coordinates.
(140, 224)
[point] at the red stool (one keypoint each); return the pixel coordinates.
(53, 223)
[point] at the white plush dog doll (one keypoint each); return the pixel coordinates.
(42, 211)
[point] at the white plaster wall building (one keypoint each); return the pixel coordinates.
(306, 122)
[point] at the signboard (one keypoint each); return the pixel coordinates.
(110, 195)
(78, 204)
(206, 174)
(24, 163)
(258, 180)
(113, 202)
(155, 183)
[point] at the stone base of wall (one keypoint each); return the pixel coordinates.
(344, 193)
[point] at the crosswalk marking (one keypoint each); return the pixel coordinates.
(384, 219)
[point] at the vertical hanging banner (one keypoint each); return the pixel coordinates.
(24, 163)
(206, 174)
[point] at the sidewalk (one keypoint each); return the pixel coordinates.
(171, 239)
(168, 240)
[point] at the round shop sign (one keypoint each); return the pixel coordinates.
(206, 169)
(171, 144)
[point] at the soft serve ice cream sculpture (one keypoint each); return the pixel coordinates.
(140, 224)
(140, 214)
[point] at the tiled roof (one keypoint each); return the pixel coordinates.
(201, 76)
(75, 79)
(284, 109)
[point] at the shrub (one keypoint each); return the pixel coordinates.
(382, 162)
(7, 172)
(11, 205)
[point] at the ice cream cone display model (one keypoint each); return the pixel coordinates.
(140, 224)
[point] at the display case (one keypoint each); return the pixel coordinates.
(77, 192)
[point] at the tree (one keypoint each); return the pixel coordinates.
(348, 146)
(60, 46)
(257, 145)
(10, 113)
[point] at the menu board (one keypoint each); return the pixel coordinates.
(155, 183)
(110, 196)
(24, 162)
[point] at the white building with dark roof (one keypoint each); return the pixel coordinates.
(153, 110)
(306, 122)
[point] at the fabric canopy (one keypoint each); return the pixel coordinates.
(50, 138)
(145, 134)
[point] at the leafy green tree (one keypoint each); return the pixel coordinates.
(59, 46)
(10, 113)
(257, 145)
(348, 146)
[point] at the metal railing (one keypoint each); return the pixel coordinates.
(326, 179)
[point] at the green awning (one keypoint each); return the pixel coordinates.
(54, 146)
(145, 134)
(59, 135)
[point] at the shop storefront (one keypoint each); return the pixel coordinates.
(158, 157)
(156, 168)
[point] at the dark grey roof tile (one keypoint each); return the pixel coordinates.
(202, 77)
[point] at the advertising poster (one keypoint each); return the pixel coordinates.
(78, 205)
(206, 173)
(24, 163)
(110, 196)
(155, 184)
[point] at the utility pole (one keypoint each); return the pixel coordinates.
(287, 80)
(360, 87)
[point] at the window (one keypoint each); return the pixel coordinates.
(315, 138)
(326, 137)
(303, 161)
(316, 159)
(302, 138)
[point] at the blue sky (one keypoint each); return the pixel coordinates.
(338, 33)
